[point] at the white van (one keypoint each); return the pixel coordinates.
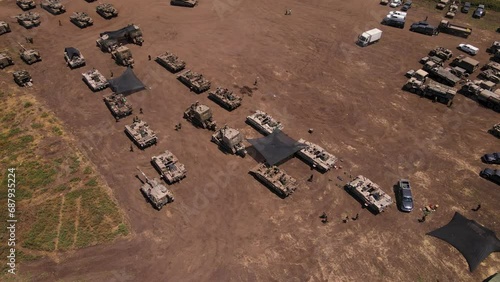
(469, 49)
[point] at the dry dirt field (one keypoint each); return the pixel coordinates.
(225, 225)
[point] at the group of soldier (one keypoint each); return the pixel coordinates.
(324, 218)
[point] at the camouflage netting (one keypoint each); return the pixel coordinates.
(127, 83)
(276, 147)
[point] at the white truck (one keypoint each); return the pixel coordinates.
(369, 37)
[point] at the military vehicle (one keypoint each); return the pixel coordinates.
(53, 6)
(492, 65)
(369, 193)
(453, 29)
(442, 53)
(29, 19)
(419, 75)
(141, 134)
(491, 75)
(495, 130)
(263, 122)
(73, 57)
(495, 46)
(184, 3)
(107, 11)
(5, 60)
(123, 56)
(171, 62)
(225, 98)
(95, 80)
(442, 4)
(467, 63)
(440, 74)
(435, 91)
(457, 71)
(316, 156)
(231, 140)
(195, 81)
(384, 2)
(489, 99)
(201, 116)
(276, 179)
(169, 167)
(81, 19)
(435, 59)
(472, 88)
(26, 4)
(118, 105)
(23, 78)
(157, 194)
(452, 11)
(109, 40)
(4, 27)
(29, 56)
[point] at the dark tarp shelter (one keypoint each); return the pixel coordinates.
(127, 83)
(470, 238)
(493, 278)
(120, 33)
(72, 52)
(276, 147)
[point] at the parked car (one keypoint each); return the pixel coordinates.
(406, 6)
(492, 175)
(466, 8)
(479, 12)
(469, 49)
(493, 158)
(424, 28)
(405, 195)
(395, 3)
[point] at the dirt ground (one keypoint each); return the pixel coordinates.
(225, 225)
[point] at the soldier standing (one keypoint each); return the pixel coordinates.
(140, 111)
(117, 119)
(356, 217)
(310, 178)
(111, 73)
(149, 57)
(60, 24)
(477, 208)
(132, 148)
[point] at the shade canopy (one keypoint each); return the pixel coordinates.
(276, 147)
(127, 83)
(120, 33)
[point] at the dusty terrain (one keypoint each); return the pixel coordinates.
(224, 225)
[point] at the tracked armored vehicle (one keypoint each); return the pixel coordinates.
(29, 19)
(369, 193)
(171, 62)
(225, 98)
(118, 105)
(231, 140)
(201, 116)
(195, 81)
(73, 57)
(5, 60)
(441, 52)
(95, 80)
(81, 19)
(263, 122)
(275, 179)
(26, 4)
(4, 27)
(184, 3)
(435, 91)
(123, 56)
(23, 78)
(29, 56)
(141, 134)
(169, 167)
(109, 40)
(53, 6)
(107, 11)
(156, 193)
(495, 130)
(316, 156)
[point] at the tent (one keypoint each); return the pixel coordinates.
(127, 83)
(470, 238)
(276, 147)
(120, 33)
(72, 52)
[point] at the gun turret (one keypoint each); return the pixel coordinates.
(147, 179)
(22, 47)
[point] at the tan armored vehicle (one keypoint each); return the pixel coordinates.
(95, 80)
(26, 4)
(195, 81)
(369, 193)
(29, 56)
(118, 105)
(171, 62)
(23, 78)
(263, 122)
(141, 134)
(184, 3)
(495, 130)
(316, 156)
(107, 11)
(452, 11)
(169, 167)
(275, 179)
(201, 116)
(123, 56)
(384, 2)
(435, 91)
(53, 6)
(73, 57)
(109, 40)
(231, 140)
(442, 4)
(5, 60)
(157, 194)
(442, 53)
(225, 98)
(4, 27)
(81, 19)
(29, 19)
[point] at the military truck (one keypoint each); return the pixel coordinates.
(26, 4)
(53, 6)
(171, 62)
(29, 19)
(123, 56)
(452, 11)
(225, 98)
(140, 132)
(106, 11)
(109, 40)
(73, 57)
(118, 105)
(419, 75)
(442, 53)
(155, 192)
(495, 130)
(5, 60)
(490, 75)
(440, 74)
(316, 156)
(4, 27)
(492, 65)
(437, 60)
(442, 4)
(369, 193)
(231, 140)
(495, 46)
(29, 56)
(201, 116)
(435, 91)
(169, 167)
(452, 29)
(81, 19)
(467, 63)
(195, 81)
(458, 72)
(184, 3)
(264, 122)
(489, 99)
(275, 179)
(23, 78)
(95, 80)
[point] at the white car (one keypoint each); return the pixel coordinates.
(469, 49)
(395, 3)
(396, 14)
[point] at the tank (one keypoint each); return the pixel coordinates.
(169, 167)
(53, 6)
(123, 56)
(95, 80)
(442, 53)
(26, 4)
(141, 134)
(184, 3)
(4, 27)
(495, 130)
(201, 116)
(171, 62)
(263, 122)
(118, 105)
(23, 78)
(369, 193)
(195, 81)
(225, 98)
(316, 156)
(155, 192)
(74, 57)
(231, 140)
(29, 19)
(106, 10)
(5, 60)
(275, 179)
(29, 56)
(81, 19)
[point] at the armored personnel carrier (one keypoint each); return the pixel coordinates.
(111, 39)
(140, 132)
(225, 98)
(495, 130)
(231, 140)
(441, 52)
(195, 81)
(95, 80)
(5, 60)
(369, 193)
(118, 105)
(73, 57)
(169, 167)
(184, 3)
(275, 179)
(4, 27)
(263, 122)
(171, 62)
(106, 10)
(435, 91)
(81, 19)
(316, 156)
(156, 193)
(123, 56)
(26, 4)
(201, 116)
(53, 6)
(29, 19)
(29, 56)
(23, 78)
